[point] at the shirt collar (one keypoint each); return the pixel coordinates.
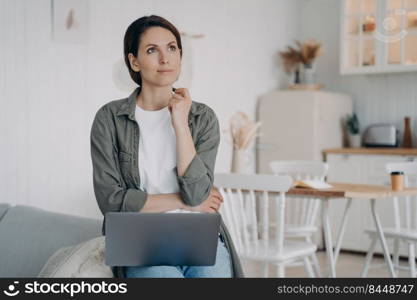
(128, 107)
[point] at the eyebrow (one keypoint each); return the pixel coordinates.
(157, 45)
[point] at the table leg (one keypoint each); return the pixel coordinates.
(342, 229)
(382, 238)
(328, 237)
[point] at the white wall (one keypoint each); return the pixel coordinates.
(50, 92)
(378, 98)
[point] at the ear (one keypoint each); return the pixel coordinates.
(134, 64)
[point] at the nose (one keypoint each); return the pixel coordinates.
(163, 58)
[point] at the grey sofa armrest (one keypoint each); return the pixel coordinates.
(4, 207)
(30, 235)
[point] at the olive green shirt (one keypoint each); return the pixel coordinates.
(114, 151)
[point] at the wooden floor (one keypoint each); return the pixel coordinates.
(348, 265)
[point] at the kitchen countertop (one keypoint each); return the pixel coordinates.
(374, 151)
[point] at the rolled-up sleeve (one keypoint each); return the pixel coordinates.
(110, 193)
(197, 181)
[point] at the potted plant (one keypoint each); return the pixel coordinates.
(352, 124)
(310, 50)
(291, 60)
(300, 62)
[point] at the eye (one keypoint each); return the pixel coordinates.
(172, 48)
(150, 50)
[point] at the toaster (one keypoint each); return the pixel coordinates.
(380, 135)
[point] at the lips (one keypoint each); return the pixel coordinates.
(165, 71)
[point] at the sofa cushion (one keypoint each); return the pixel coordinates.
(83, 260)
(30, 235)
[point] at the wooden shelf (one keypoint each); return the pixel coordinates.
(373, 151)
(310, 87)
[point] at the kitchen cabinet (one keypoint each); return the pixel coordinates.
(366, 167)
(378, 36)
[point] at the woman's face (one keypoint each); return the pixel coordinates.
(159, 59)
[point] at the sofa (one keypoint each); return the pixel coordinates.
(30, 236)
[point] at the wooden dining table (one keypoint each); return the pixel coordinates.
(349, 191)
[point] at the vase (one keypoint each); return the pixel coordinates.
(309, 74)
(296, 77)
(354, 140)
(407, 137)
(239, 161)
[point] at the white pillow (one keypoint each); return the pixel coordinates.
(83, 260)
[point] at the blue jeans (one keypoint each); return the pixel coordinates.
(221, 269)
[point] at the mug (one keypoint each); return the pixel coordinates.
(397, 181)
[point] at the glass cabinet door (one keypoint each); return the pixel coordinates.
(399, 32)
(410, 42)
(379, 36)
(360, 24)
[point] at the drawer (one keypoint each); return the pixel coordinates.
(376, 164)
(376, 168)
(345, 168)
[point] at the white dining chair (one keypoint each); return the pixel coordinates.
(405, 222)
(302, 213)
(250, 202)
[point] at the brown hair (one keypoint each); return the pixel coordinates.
(134, 33)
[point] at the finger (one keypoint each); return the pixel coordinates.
(179, 91)
(213, 206)
(185, 96)
(216, 200)
(184, 92)
(212, 210)
(178, 97)
(217, 193)
(216, 197)
(217, 207)
(208, 209)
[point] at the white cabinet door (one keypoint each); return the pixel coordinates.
(364, 169)
(347, 169)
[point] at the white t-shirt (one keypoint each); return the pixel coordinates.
(157, 157)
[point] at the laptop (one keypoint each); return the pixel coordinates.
(161, 239)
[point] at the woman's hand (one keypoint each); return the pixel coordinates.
(211, 204)
(179, 107)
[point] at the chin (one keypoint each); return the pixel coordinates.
(162, 83)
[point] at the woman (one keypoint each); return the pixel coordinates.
(155, 151)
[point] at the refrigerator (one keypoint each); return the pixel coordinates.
(299, 124)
